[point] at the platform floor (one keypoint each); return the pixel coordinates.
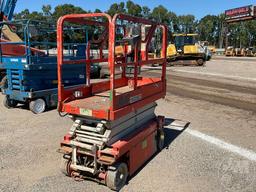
(100, 101)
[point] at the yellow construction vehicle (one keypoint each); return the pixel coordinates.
(212, 49)
(230, 51)
(240, 52)
(186, 47)
(250, 52)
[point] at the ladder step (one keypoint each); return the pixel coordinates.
(99, 143)
(90, 134)
(81, 145)
(90, 137)
(92, 129)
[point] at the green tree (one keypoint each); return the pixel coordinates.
(22, 15)
(116, 8)
(187, 23)
(146, 12)
(208, 30)
(221, 29)
(65, 9)
(161, 14)
(25, 14)
(98, 11)
(250, 28)
(133, 9)
(211, 28)
(47, 10)
(173, 17)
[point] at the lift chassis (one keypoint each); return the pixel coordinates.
(115, 130)
(112, 165)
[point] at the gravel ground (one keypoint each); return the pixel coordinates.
(219, 57)
(228, 67)
(29, 161)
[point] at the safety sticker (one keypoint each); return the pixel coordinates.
(86, 112)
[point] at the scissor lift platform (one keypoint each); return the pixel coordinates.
(115, 129)
(98, 104)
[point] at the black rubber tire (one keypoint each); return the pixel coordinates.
(37, 106)
(160, 139)
(9, 103)
(98, 74)
(65, 166)
(117, 176)
(200, 62)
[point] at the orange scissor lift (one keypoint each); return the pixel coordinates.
(115, 130)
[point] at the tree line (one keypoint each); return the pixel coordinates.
(211, 28)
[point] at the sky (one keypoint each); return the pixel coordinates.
(199, 8)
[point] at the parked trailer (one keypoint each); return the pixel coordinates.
(115, 130)
(31, 70)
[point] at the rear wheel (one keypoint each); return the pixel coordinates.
(37, 106)
(117, 176)
(9, 103)
(160, 139)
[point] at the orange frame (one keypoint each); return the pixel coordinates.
(145, 90)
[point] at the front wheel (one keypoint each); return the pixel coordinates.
(117, 176)
(9, 103)
(37, 106)
(65, 166)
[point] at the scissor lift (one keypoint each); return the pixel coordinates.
(115, 129)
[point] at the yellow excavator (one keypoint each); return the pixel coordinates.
(186, 48)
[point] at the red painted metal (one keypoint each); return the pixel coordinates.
(17, 50)
(240, 14)
(118, 96)
(116, 99)
(137, 147)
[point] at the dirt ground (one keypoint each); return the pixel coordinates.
(189, 163)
